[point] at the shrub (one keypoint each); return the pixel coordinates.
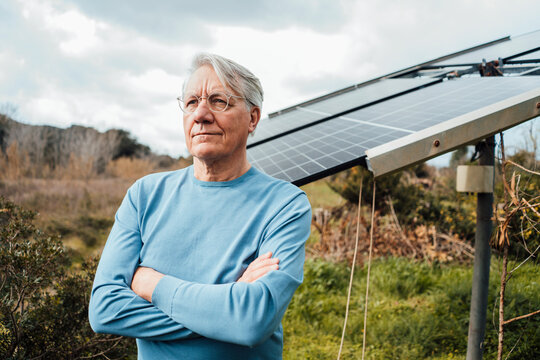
(43, 306)
(415, 197)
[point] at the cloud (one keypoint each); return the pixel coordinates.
(80, 31)
(111, 80)
(185, 21)
(73, 32)
(121, 64)
(154, 82)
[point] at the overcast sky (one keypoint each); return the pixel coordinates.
(121, 64)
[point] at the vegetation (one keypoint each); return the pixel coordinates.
(43, 307)
(523, 226)
(77, 152)
(415, 197)
(420, 280)
(417, 311)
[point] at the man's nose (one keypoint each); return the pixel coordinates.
(203, 114)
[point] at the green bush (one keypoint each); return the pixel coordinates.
(414, 202)
(43, 304)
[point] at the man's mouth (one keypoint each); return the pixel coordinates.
(205, 133)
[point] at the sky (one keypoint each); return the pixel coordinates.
(121, 64)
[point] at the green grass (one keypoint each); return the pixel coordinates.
(416, 311)
(320, 194)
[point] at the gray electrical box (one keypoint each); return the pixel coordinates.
(474, 178)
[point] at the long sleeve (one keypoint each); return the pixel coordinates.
(114, 308)
(242, 313)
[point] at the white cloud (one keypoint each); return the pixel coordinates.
(80, 31)
(74, 33)
(89, 64)
(157, 124)
(154, 82)
(278, 56)
(50, 109)
(10, 61)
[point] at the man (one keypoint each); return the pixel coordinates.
(202, 262)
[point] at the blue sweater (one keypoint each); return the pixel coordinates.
(202, 235)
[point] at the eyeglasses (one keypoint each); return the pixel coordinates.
(217, 102)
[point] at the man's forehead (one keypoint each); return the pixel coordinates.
(204, 78)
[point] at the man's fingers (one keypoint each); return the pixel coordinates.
(262, 257)
(259, 267)
(252, 275)
(144, 282)
(262, 271)
(262, 263)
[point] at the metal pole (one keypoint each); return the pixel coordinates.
(482, 257)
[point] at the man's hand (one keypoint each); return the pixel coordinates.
(145, 281)
(259, 267)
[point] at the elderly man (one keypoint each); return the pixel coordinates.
(202, 262)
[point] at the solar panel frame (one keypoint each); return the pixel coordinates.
(530, 57)
(449, 135)
(515, 47)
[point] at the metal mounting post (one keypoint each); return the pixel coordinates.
(482, 257)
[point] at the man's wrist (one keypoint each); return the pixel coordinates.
(145, 281)
(164, 293)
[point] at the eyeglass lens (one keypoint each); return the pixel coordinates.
(216, 102)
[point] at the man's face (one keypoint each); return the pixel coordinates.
(212, 136)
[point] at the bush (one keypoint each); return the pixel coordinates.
(523, 229)
(416, 198)
(43, 306)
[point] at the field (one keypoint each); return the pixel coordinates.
(418, 309)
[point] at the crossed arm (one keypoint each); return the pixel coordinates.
(140, 302)
(146, 279)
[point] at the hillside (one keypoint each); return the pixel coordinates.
(52, 147)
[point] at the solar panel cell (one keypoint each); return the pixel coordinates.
(306, 114)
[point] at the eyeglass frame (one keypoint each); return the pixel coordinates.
(199, 99)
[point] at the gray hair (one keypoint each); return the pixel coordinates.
(232, 75)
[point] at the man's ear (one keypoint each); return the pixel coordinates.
(255, 116)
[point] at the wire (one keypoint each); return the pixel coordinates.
(352, 269)
(368, 271)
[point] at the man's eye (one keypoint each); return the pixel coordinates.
(218, 100)
(191, 102)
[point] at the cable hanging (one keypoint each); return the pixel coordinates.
(368, 270)
(352, 270)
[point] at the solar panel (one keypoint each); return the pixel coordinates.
(506, 49)
(314, 111)
(341, 142)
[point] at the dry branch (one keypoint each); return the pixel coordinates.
(522, 317)
(523, 168)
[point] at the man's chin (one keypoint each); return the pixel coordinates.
(207, 152)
